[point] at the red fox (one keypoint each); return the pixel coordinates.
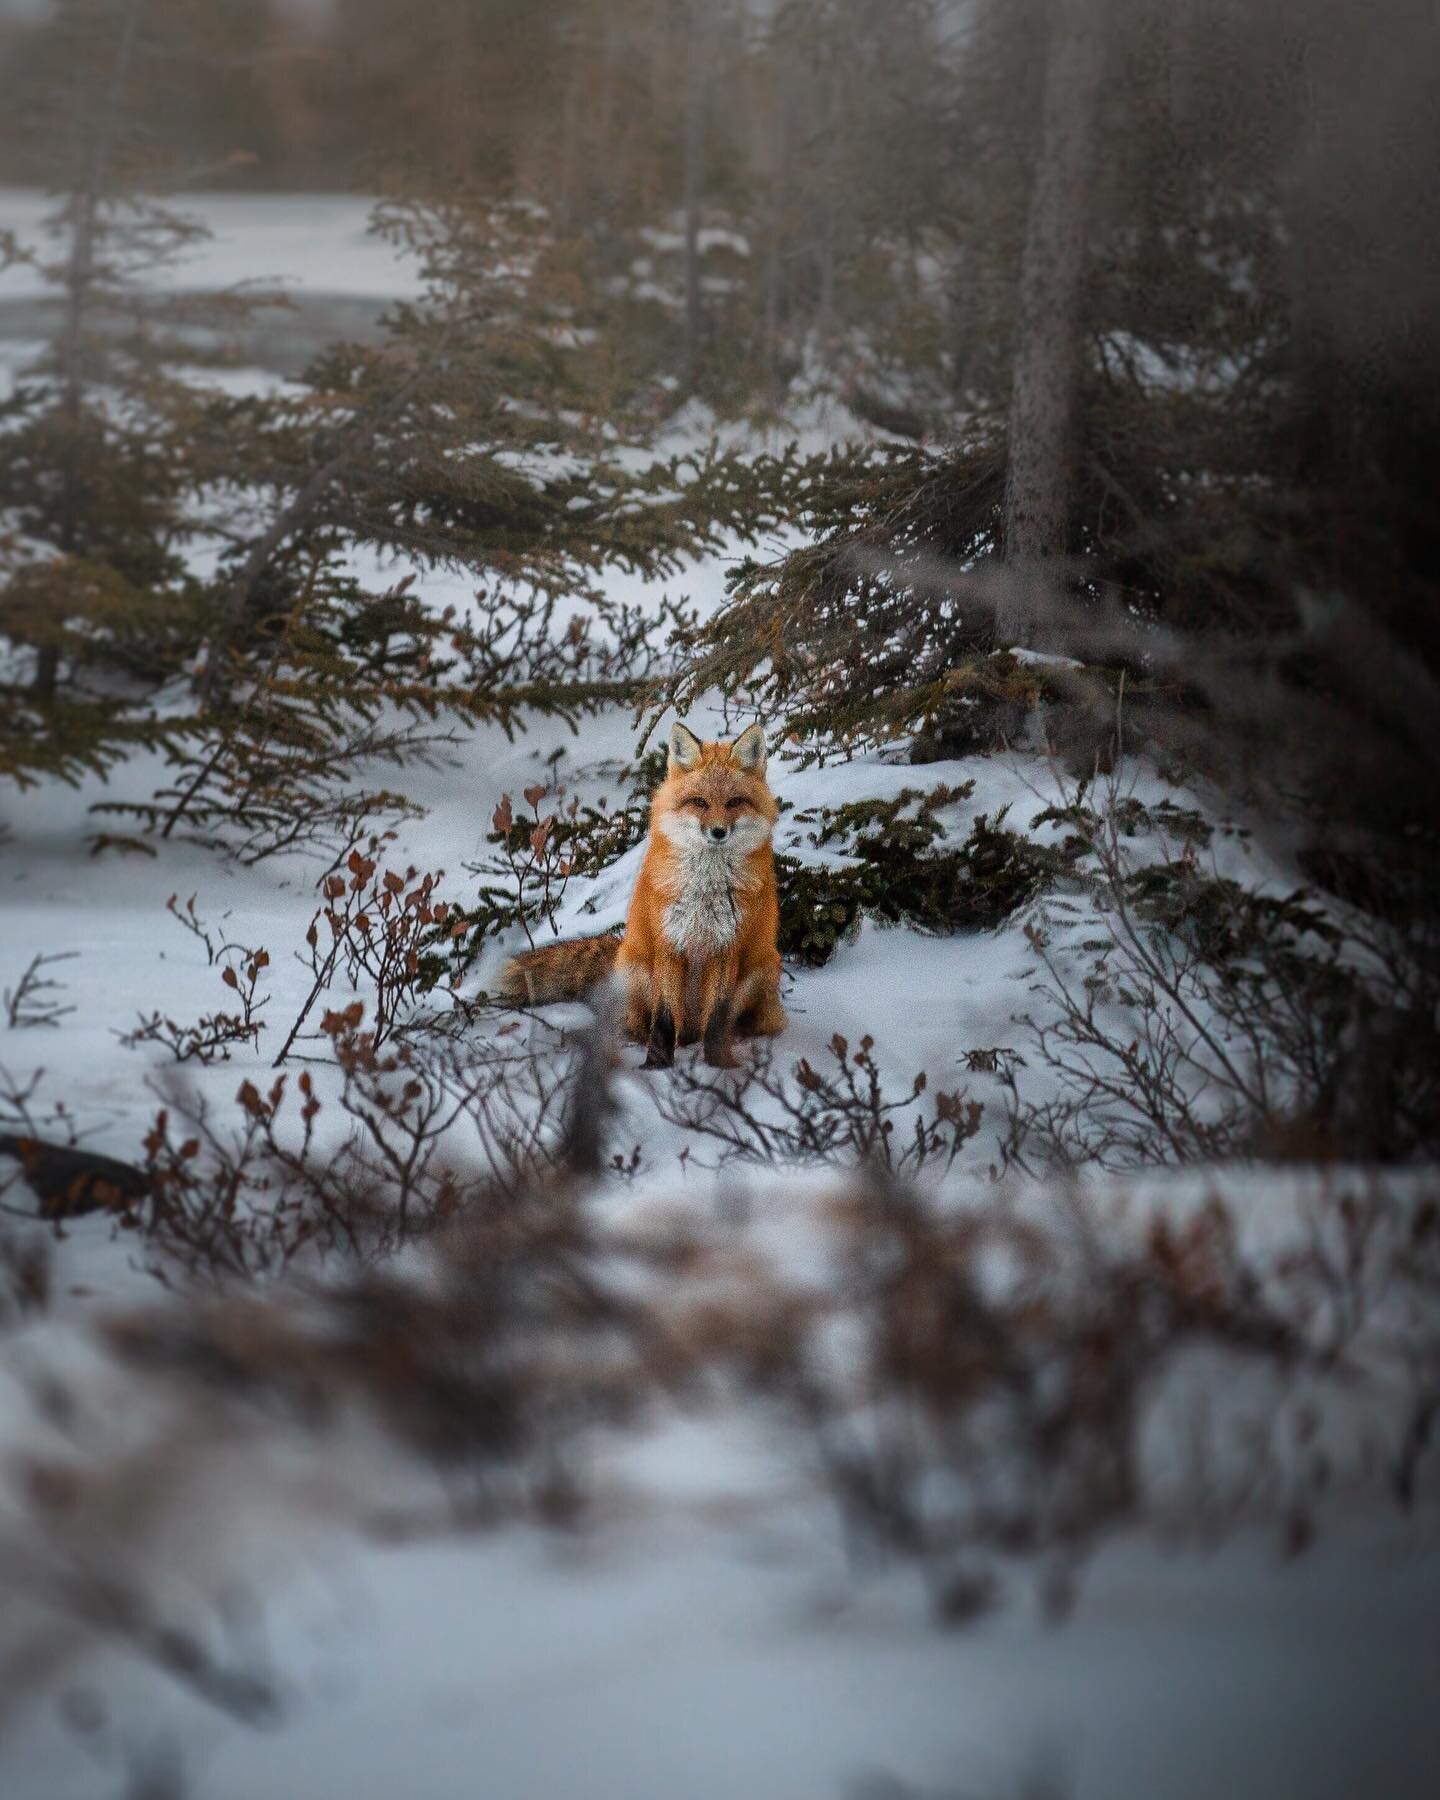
(697, 961)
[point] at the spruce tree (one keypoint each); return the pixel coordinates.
(1242, 451)
(98, 444)
(480, 436)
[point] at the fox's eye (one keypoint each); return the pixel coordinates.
(730, 805)
(695, 800)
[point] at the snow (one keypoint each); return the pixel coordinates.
(716, 1674)
(706, 1635)
(708, 238)
(313, 243)
(706, 1638)
(1043, 658)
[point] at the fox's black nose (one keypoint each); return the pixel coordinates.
(718, 834)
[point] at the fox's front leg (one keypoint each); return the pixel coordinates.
(758, 1012)
(660, 1047)
(719, 1047)
(710, 1010)
(667, 999)
(650, 1015)
(638, 991)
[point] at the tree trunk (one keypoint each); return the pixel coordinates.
(1052, 272)
(829, 204)
(694, 183)
(775, 246)
(567, 204)
(80, 271)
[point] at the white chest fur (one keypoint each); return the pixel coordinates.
(706, 882)
(704, 914)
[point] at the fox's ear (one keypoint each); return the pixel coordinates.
(685, 748)
(748, 750)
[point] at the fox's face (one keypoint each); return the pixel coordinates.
(714, 799)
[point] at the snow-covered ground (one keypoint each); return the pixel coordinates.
(707, 1634)
(315, 243)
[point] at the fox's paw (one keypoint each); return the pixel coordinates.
(660, 1047)
(766, 1020)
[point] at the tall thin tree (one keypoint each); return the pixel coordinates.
(1052, 272)
(695, 107)
(96, 122)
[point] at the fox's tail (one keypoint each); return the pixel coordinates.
(566, 971)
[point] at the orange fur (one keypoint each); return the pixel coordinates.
(708, 989)
(563, 971)
(698, 962)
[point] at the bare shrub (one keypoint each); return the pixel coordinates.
(250, 1193)
(1003, 1361)
(977, 1385)
(213, 1035)
(534, 856)
(21, 1109)
(489, 1361)
(1213, 1022)
(532, 859)
(842, 1115)
(189, 920)
(30, 1004)
(517, 1329)
(973, 1380)
(380, 923)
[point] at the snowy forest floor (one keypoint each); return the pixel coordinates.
(710, 1622)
